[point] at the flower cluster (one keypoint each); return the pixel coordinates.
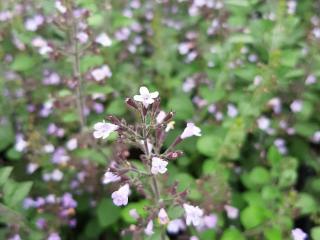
(149, 136)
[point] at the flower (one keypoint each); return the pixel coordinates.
(190, 130)
(296, 106)
(21, 144)
(133, 213)
(298, 234)
(109, 177)
(163, 216)
(210, 221)
(101, 73)
(104, 40)
(58, 5)
(232, 111)
(193, 214)
(120, 197)
(103, 129)
(158, 166)
(149, 228)
(175, 226)
(263, 123)
(232, 212)
(145, 96)
(54, 236)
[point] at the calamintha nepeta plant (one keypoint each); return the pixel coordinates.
(149, 178)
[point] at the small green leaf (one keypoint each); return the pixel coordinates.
(4, 174)
(107, 213)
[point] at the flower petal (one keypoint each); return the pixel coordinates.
(144, 91)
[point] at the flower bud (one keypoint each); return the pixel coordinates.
(131, 103)
(114, 120)
(174, 154)
(168, 117)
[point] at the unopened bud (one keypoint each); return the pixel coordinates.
(114, 120)
(131, 103)
(174, 155)
(168, 117)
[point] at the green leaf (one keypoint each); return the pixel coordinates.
(315, 233)
(252, 216)
(183, 107)
(117, 107)
(209, 145)
(15, 193)
(107, 213)
(232, 234)
(139, 206)
(307, 204)
(272, 234)
(6, 136)
(92, 155)
(4, 174)
(260, 176)
(23, 62)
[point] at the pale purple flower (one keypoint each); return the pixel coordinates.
(72, 144)
(52, 79)
(311, 79)
(275, 103)
(193, 214)
(110, 177)
(175, 226)
(61, 8)
(231, 211)
(263, 123)
(316, 137)
(212, 108)
(103, 129)
(82, 37)
(134, 214)
(184, 48)
(60, 156)
(145, 96)
(232, 111)
(190, 130)
(210, 221)
(15, 237)
(67, 201)
(188, 84)
(296, 106)
(104, 40)
(298, 234)
(48, 148)
(160, 117)
(28, 203)
(101, 73)
(163, 216)
(56, 175)
(32, 167)
(51, 198)
(54, 236)
(257, 80)
(158, 166)
(194, 238)
(32, 24)
(41, 223)
(149, 228)
(20, 144)
(120, 197)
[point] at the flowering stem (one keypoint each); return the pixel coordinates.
(76, 71)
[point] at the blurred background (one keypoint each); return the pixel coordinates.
(245, 71)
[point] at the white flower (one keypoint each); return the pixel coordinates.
(145, 96)
(158, 166)
(101, 73)
(58, 5)
(298, 234)
(110, 177)
(193, 214)
(175, 226)
(191, 130)
(163, 217)
(21, 144)
(104, 40)
(149, 228)
(120, 197)
(232, 212)
(133, 213)
(103, 129)
(316, 137)
(169, 126)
